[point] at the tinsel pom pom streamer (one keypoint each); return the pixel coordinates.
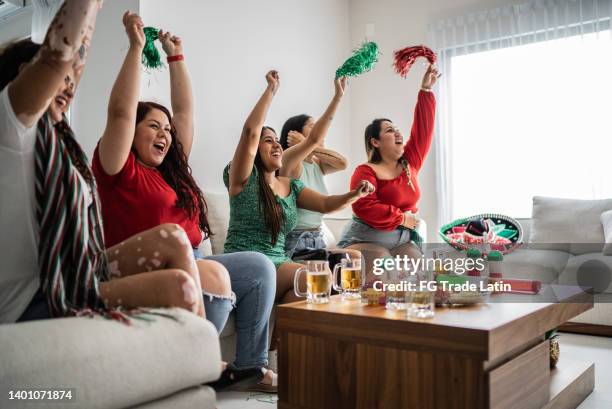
(362, 60)
(150, 54)
(405, 57)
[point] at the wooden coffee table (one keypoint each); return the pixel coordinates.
(349, 355)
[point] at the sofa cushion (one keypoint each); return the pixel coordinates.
(218, 218)
(109, 364)
(606, 224)
(592, 270)
(568, 224)
(536, 264)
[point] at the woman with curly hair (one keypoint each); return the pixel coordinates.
(141, 165)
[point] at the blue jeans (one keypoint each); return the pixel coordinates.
(253, 278)
(300, 240)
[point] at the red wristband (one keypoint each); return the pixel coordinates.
(173, 58)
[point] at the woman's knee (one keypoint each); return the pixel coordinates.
(179, 289)
(214, 277)
(173, 237)
(263, 269)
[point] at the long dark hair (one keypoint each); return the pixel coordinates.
(11, 58)
(177, 173)
(272, 210)
(295, 123)
(372, 131)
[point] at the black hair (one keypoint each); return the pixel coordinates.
(272, 210)
(13, 56)
(295, 123)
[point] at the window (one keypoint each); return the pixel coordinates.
(531, 120)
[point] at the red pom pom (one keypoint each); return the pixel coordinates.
(405, 57)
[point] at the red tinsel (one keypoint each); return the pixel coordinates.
(405, 57)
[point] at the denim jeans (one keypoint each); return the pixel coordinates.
(253, 278)
(300, 240)
(356, 231)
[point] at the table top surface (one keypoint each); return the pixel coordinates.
(501, 310)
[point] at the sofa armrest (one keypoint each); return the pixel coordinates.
(109, 364)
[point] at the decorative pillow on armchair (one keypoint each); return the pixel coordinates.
(568, 224)
(606, 223)
(218, 218)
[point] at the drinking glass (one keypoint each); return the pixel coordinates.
(352, 278)
(421, 300)
(318, 282)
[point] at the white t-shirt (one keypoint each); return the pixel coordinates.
(19, 278)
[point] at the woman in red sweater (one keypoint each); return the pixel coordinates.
(384, 222)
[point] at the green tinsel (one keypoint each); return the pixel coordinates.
(362, 60)
(150, 55)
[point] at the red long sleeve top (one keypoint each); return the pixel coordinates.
(384, 208)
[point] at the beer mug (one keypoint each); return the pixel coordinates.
(351, 278)
(318, 282)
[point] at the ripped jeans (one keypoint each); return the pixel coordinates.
(253, 278)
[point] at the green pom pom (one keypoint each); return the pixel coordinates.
(362, 60)
(150, 55)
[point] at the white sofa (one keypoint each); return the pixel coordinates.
(107, 364)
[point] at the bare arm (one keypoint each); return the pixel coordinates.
(330, 161)
(316, 202)
(244, 156)
(293, 157)
(118, 135)
(64, 49)
(181, 95)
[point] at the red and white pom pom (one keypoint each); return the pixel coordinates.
(405, 57)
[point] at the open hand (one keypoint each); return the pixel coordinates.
(134, 27)
(410, 220)
(273, 80)
(171, 44)
(430, 77)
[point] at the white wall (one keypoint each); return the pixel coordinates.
(106, 55)
(16, 27)
(397, 24)
(230, 45)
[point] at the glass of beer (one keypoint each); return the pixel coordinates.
(351, 279)
(318, 282)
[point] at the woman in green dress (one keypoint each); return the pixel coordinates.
(263, 206)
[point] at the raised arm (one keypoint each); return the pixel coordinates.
(311, 200)
(330, 161)
(181, 94)
(63, 52)
(118, 135)
(244, 156)
(421, 135)
(293, 157)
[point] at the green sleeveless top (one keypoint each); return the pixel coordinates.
(247, 229)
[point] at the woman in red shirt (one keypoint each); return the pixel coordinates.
(384, 222)
(145, 180)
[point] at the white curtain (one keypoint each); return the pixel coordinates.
(44, 11)
(513, 25)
